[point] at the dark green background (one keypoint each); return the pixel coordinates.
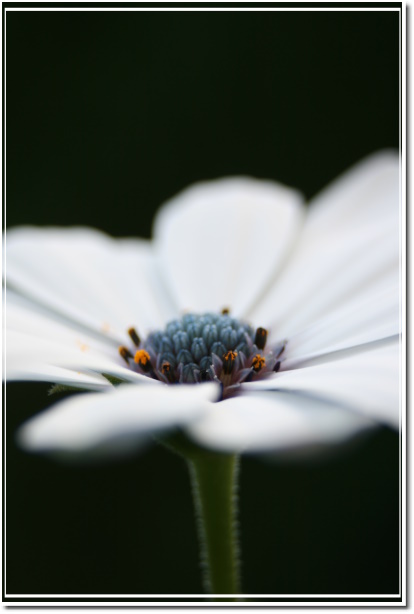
(109, 114)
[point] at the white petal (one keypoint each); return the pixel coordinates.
(367, 190)
(23, 316)
(86, 421)
(335, 353)
(274, 421)
(39, 347)
(349, 245)
(31, 357)
(220, 242)
(105, 284)
(372, 315)
(52, 374)
(368, 383)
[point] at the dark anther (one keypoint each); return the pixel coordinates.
(142, 358)
(277, 366)
(221, 392)
(225, 311)
(125, 353)
(258, 363)
(168, 372)
(228, 361)
(282, 350)
(134, 336)
(261, 338)
(205, 375)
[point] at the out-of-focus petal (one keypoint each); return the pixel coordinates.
(84, 422)
(268, 422)
(367, 382)
(220, 242)
(105, 284)
(349, 246)
(57, 375)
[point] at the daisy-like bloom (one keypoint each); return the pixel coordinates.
(250, 321)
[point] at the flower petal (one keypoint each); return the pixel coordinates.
(29, 357)
(57, 375)
(23, 316)
(219, 242)
(39, 347)
(367, 383)
(84, 422)
(105, 284)
(336, 353)
(274, 422)
(372, 315)
(349, 245)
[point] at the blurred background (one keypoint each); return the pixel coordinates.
(109, 114)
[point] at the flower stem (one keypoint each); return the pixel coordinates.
(213, 479)
(214, 484)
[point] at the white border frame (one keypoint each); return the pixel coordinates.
(161, 598)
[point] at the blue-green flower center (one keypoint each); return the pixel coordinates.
(203, 347)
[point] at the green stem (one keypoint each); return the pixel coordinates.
(214, 483)
(213, 479)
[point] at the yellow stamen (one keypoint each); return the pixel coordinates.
(125, 353)
(228, 361)
(166, 367)
(261, 338)
(168, 372)
(225, 311)
(142, 358)
(134, 336)
(258, 362)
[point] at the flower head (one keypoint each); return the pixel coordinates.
(198, 348)
(250, 321)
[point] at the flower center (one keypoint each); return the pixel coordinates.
(199, 348)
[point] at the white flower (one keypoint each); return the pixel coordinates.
(323, 281)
